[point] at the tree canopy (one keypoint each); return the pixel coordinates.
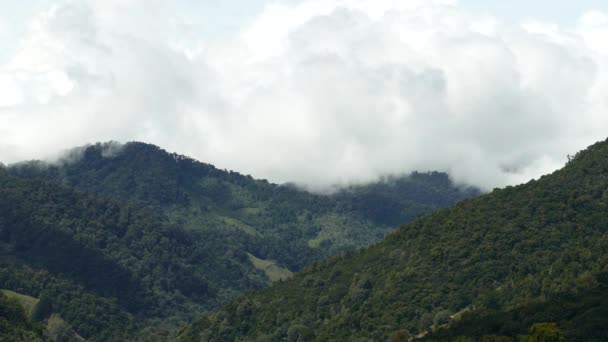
(522, 261)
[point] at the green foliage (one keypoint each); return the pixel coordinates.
(60, 331)
(384, 202)
(272, 271)
(27, 302)
(544, 332)
(43, 309)
(119, 238)
(94, 317)
(576, 315)
(14, 322)
(279, 221)
(519, 247)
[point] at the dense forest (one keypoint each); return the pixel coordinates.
(525, 263)
(272, 222)
(118, 241)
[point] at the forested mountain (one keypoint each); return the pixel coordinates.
(281, 223)
(115, 239)
(525, 263)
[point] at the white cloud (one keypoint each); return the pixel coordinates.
(593, 27)
(321, 92)
(10, 91)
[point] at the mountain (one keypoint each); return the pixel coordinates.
(280, 223)
(105, 268)
(126, 240)
(521, 263)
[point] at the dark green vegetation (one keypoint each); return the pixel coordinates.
(119, 239)
(526, 260)
(273, 222)
(15, 324)
(25, 318)
(576, 315)
(89, 260)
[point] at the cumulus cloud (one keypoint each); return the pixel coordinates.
(318, 92)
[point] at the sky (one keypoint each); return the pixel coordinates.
(316, 92)
(563, 12)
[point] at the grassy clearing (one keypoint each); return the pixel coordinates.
(247, 229)
(27, 302)
(272, 270)
(60, 330)
(250, 211)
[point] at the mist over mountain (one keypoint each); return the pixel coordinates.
(315, 92)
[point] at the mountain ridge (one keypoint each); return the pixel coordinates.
(173, 236)
(174, 186)
(494, 252)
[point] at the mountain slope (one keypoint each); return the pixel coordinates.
(498, 251)
(280, 223)
(15, 324)
(99, 264)
(120, 238)
(571, 315)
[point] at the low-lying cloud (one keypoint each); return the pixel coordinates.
(317, 93)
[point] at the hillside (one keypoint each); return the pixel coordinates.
(104, 267)
(516, 251)
(279, 223)
(22, 318)
(15, 324)
(120, 239)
